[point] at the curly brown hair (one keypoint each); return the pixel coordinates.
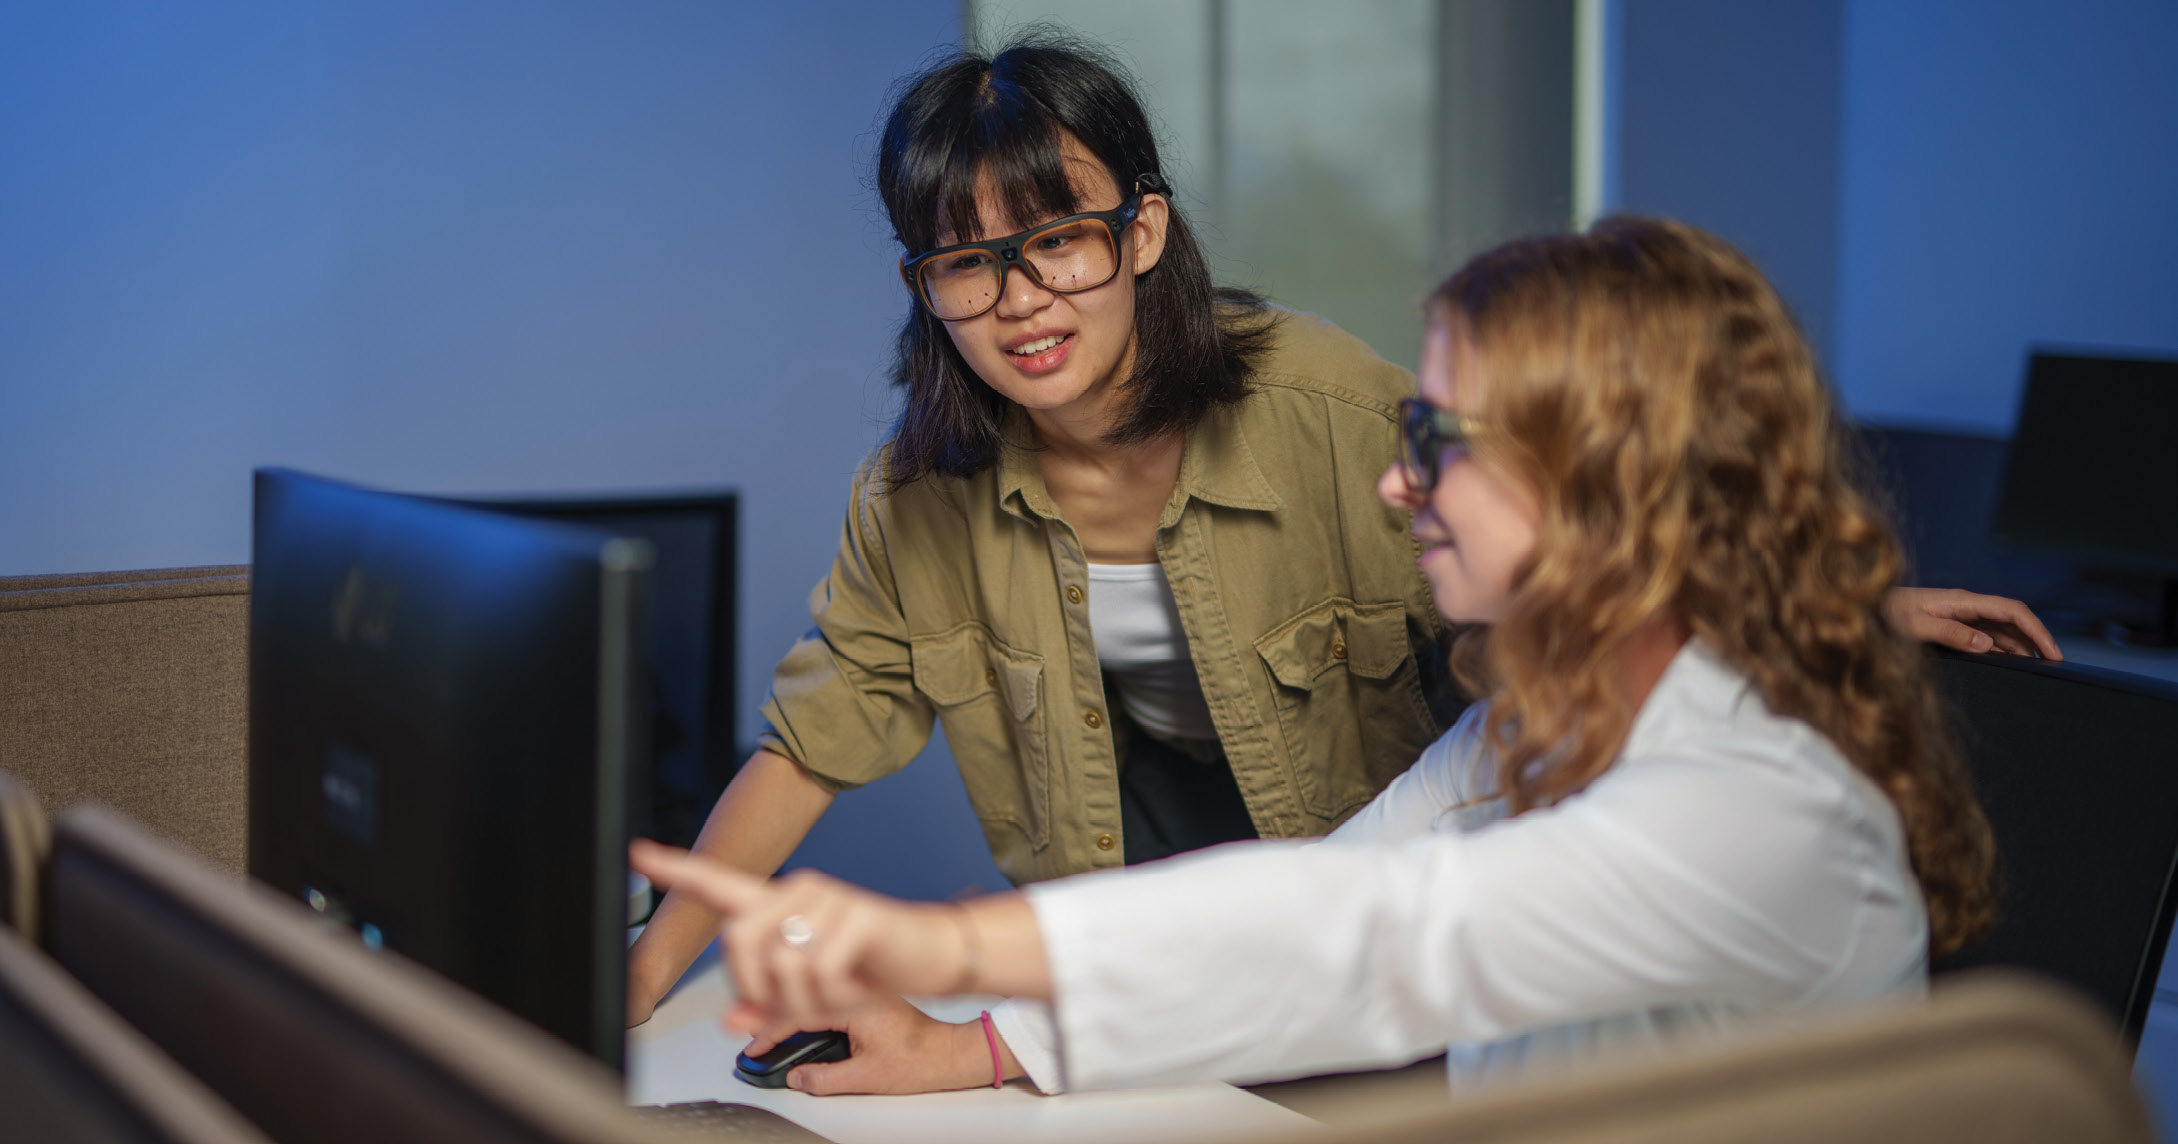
(1650, 386)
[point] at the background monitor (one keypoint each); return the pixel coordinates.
(445, 728)
(2092, 472)
(2093, 467)
(694, 745)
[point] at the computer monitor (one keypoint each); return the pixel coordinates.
(296, 1025)
(694, 537)
(444, 732)
(2092, 472)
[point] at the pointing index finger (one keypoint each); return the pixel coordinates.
(728, 891)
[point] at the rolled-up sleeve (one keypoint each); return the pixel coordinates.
(843, 702)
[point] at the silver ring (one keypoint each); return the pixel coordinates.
(796, 931)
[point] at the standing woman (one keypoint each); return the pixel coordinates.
(1124, 542)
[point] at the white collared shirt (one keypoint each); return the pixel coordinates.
(1730, 864)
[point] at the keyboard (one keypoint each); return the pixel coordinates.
(719, 1120)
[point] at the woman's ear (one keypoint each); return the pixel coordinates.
(1148, 232)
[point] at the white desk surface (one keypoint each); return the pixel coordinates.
(682, 1053)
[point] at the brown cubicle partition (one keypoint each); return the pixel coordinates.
(128, 688)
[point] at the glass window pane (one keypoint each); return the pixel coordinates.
(1316, 189)
(1329, 145)
(1166, 43)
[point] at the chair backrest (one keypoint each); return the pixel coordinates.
(291, 1020)
(2078, 770)
(72, 1070)
(130, 689)
(24, 838)
(1991, 1058)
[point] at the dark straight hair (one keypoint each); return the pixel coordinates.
(1195, 345)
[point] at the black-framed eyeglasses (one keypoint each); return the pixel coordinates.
(1066, 256)
(1425, 432)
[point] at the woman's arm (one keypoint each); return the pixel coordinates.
(765, 813)
(1453, 772)
(855, 949)
(1714, 876)
(844, 700)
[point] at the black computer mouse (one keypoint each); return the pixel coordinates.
(771, 1069)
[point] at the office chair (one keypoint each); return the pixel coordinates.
(24, 836)
(292, 1021)
(1991, 1058)
(2078, 770)
(72, 1070)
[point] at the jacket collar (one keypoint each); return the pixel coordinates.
(1216, 465)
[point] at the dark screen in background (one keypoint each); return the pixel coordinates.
(689, 676)
(2093, 468)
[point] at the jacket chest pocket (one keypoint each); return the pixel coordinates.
(989, 698)
(1349, 700)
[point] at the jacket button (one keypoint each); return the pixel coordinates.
(1338, 649)
(1073, 594)
(990, 677)
(1093, 719)
(1106, 842)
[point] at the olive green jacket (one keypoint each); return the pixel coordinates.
(1310, 624)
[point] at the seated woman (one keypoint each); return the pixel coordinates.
(1708, 783)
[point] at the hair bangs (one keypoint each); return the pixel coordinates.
(1002, 138)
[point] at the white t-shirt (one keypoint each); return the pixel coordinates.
(1136, 624)
(1731, 864)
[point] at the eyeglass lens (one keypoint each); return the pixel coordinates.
(1071, 256)
(1422, 443)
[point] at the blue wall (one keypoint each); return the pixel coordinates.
(1727, 116)
(2009, 178)
(459, 247)
(1934, 185)
(482, 246)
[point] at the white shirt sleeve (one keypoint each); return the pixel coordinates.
(1030, 1032)
(1452, 774)
(1684, 878)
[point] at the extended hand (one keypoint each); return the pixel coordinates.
(1969, 621)
(897, 1048)
(810, 950)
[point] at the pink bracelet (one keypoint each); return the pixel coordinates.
(990, 1037)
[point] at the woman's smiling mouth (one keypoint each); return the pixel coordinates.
(1038, 346)
(1041, 355)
